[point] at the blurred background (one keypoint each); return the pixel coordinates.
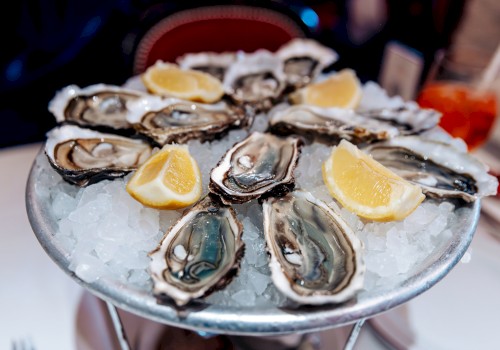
(48, 44)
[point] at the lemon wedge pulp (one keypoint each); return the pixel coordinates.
(169, 80)
(340, 90)
(170, 179)
(366, 187)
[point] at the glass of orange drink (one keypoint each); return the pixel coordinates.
(452, 88)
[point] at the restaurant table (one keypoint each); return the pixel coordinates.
(40, 302)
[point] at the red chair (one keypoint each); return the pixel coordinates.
(217, 29)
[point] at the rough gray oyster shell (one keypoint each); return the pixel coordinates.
(174, 120)
(315, 258)
(84, 156)
(96, 106)
(261, 164)
(199, 254)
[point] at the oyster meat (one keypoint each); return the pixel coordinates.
(174, 120)
(212, 63)
(84, 156)
(315, 258)
(261, 164)
(255, 79)
(96, 106)
(303, 60)
(199, 254)
(439, 168)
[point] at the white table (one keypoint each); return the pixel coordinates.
(37, 299)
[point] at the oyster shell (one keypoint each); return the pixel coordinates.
(212, 63)
(439, 168)
(261, 164)
(84, 156)
(174, 120)
(409, 119)
(304, 59)
(96, 106)
(328, 124)
(199, 254)
(315, 256)
(256, 79)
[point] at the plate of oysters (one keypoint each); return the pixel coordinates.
(252, 193)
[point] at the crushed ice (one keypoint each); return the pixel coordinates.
(106, 233)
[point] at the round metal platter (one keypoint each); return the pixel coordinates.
(255, 320)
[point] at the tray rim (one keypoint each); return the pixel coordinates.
(254, 321)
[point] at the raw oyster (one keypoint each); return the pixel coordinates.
(261, 164)
(256, 79)
(212, 63)
(328, 124)
(409, 120)
(199, 254)
(439, 168)
(84, 156)
(315, 258)
(304, 59)
(96, 106)
(174, 120)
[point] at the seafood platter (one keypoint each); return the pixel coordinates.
(252, 193)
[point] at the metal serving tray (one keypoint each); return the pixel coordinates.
(255, 320)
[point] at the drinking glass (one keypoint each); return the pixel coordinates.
(452, 88)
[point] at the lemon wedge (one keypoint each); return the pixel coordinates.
(341, 90)
(170, 179)
(169, 80)
(366, 187)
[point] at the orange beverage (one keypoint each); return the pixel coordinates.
(467, 113)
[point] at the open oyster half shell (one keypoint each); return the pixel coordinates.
(84, 156)
(255, 79)
(175, 120)
(328, 125)
(315, 257)
(441, 169)
(199, 254)
(215, 64)
(260, 165)
(304, 59)
(97, 106)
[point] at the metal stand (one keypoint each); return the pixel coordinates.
(353, 336)
(118, 327)
(124, 344)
